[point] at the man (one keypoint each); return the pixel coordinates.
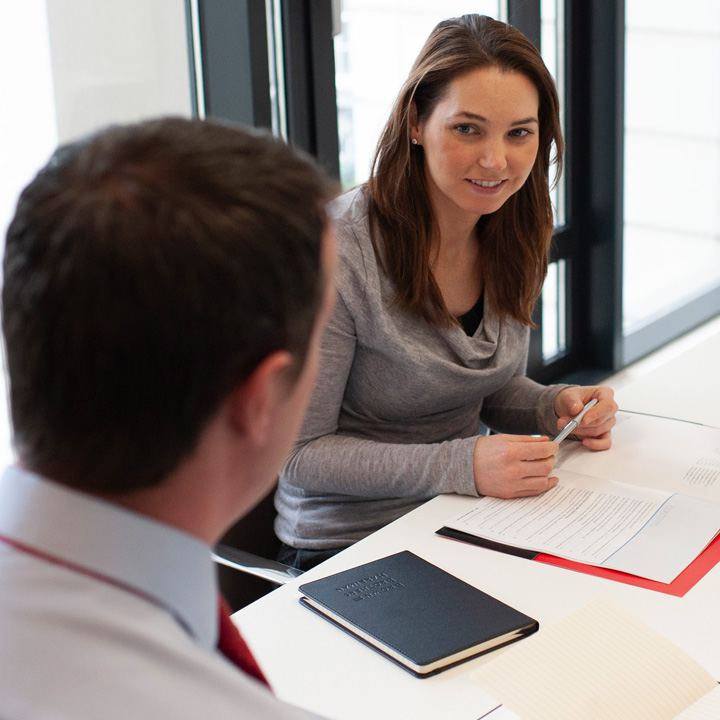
(165, 288)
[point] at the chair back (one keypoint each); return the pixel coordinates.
(252, 535)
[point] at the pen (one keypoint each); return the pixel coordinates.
(574, 422)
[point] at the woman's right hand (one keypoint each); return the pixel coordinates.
(510, 466)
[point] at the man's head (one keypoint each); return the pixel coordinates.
(149, 271)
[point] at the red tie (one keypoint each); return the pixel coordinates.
(232, 645)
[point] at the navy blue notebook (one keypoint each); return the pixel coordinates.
(416, 614)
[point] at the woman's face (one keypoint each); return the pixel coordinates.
(480, 143)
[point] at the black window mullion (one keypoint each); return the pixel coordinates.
(234, 60)
(598, 132)
(525, 16)
(310, 80)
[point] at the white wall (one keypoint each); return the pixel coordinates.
(117, 62)
(70, 67)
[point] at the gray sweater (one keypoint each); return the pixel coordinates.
(398, 404)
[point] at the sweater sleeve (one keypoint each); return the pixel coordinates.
(325, 460)
(522, 406)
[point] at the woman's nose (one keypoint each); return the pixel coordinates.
(492, 155)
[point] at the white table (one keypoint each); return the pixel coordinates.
(311, 663)
(685, 387)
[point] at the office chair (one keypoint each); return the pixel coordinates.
(246, 568)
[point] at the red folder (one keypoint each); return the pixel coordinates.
(692, 574)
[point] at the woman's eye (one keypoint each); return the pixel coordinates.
(520, 132)
(464, 129)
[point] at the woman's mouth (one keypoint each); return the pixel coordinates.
(487, 183)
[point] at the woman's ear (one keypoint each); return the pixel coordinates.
(256, 403)
(413, 124)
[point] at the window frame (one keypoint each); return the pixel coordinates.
(590, 241)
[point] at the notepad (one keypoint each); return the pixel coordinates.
(415, 613)
(597, 663)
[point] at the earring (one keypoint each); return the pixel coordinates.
(414, 141)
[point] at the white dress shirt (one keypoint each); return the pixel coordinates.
(105, 613)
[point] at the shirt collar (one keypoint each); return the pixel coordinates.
(171, 567)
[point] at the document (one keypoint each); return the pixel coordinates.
(648, 506)
(600, 662)
(653, 452)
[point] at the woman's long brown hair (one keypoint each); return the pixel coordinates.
(514, 240)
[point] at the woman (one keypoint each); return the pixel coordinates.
(442, 255)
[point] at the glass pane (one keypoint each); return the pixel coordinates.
(552, 45)
(554, 311)
(84, 64)
(554, 295)
(672, 156)
(378, 43)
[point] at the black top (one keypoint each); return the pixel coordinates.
(471, 319)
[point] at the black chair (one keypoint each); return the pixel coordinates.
(249, 547)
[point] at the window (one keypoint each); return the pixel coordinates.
(671, 248)
(379, 41)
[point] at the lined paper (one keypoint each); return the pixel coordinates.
(599, 662)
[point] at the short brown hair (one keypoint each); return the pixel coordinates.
(148, 270)
(515, 240)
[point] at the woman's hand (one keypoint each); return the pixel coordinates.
(594, 429)
(509, 466)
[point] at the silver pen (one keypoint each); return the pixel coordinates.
(574, 422)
